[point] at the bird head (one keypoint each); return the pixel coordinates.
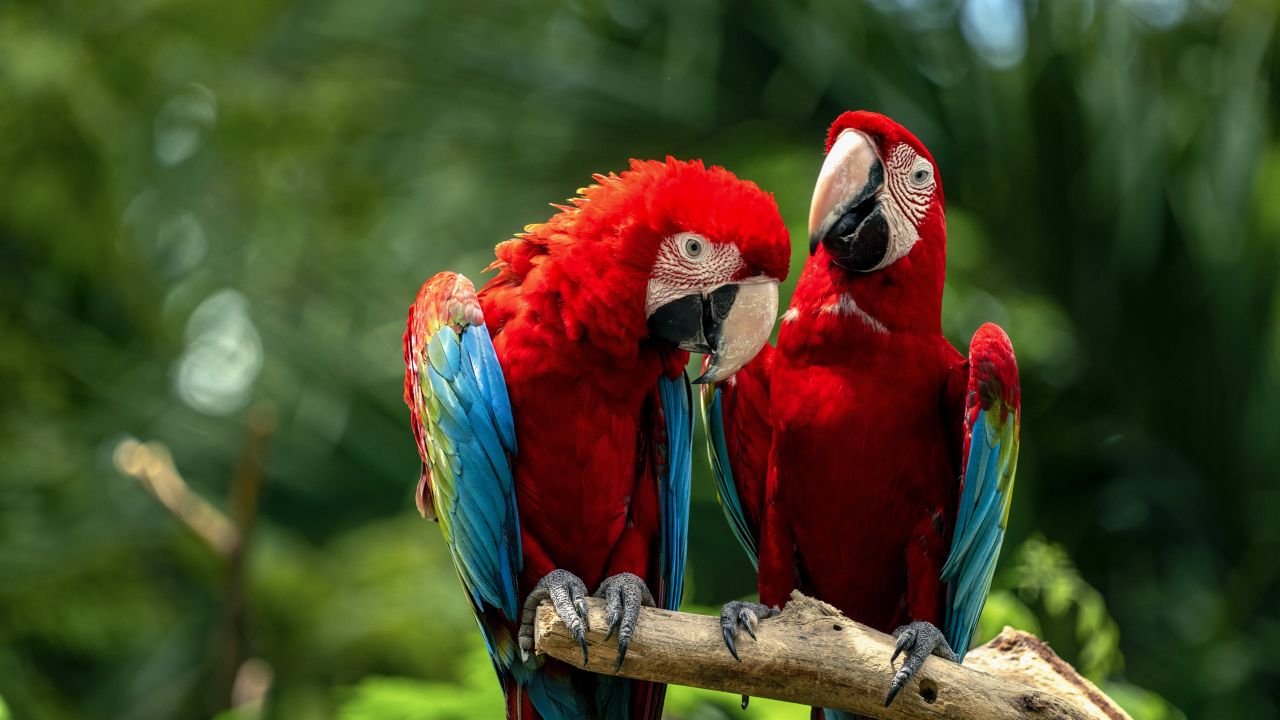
(876, 218)
(670, 255)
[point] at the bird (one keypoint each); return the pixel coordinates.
(864, 460)
(554, 419)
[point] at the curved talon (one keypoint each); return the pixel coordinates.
(899, 681)
(904, 640)
(624, 594)
(748, 622)
(623, 643)
(738, 615)
(918, 640)
(567, 594)
(728, 640)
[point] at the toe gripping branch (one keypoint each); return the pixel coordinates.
(624, 594)
(741, 615)
(918, 640)
(568, 594)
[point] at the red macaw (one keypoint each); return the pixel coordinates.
(554, 420)
(865, 460)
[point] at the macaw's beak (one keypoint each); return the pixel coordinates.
(730, 323)
(845, 214)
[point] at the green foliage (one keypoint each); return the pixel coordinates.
(1141, 704)
(1042, 590)
(391, 698)
(1043, 573)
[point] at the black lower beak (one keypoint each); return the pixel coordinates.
(694, 322)
(859, 239)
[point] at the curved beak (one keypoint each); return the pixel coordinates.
(845, 213)
(730, 324)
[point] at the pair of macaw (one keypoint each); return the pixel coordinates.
(863, 461)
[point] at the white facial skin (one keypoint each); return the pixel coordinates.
(908, 187)
(689, 264)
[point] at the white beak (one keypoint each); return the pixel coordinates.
(744, 330)
(844, 177)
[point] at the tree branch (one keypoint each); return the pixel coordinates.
(812, 655)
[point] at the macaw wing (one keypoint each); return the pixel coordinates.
(992, 427)
(466, 436)
(674, 484)
(735, 413)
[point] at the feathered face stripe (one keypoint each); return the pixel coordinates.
(689, 262)
(910, 184)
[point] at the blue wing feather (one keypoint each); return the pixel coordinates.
(475, 488)
(980, 524)
(717, 448)
(444, 354)
(677, 412)
(488, 374)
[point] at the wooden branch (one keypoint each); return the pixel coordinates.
(1025, 658)
(152, 465)
(812, 655)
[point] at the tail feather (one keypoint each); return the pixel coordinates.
(829, 714)
(648, 700)
(556, 692)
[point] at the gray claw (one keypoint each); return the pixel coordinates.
(918, 640)
(728, 640)
(907, 637)
(738, 614)
(623, 594)
(567, 594)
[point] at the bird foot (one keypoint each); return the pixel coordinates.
(623, 595)
(918, 640)
(740, 615)
(568, 595)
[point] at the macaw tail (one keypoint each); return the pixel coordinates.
(555, 691)
(541, 695)
(649, 698)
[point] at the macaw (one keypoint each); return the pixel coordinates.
(554, 419)
(865, 461)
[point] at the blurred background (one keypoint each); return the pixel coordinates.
(213, 220)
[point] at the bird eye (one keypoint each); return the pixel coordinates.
(920, 176)
(694, 246)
